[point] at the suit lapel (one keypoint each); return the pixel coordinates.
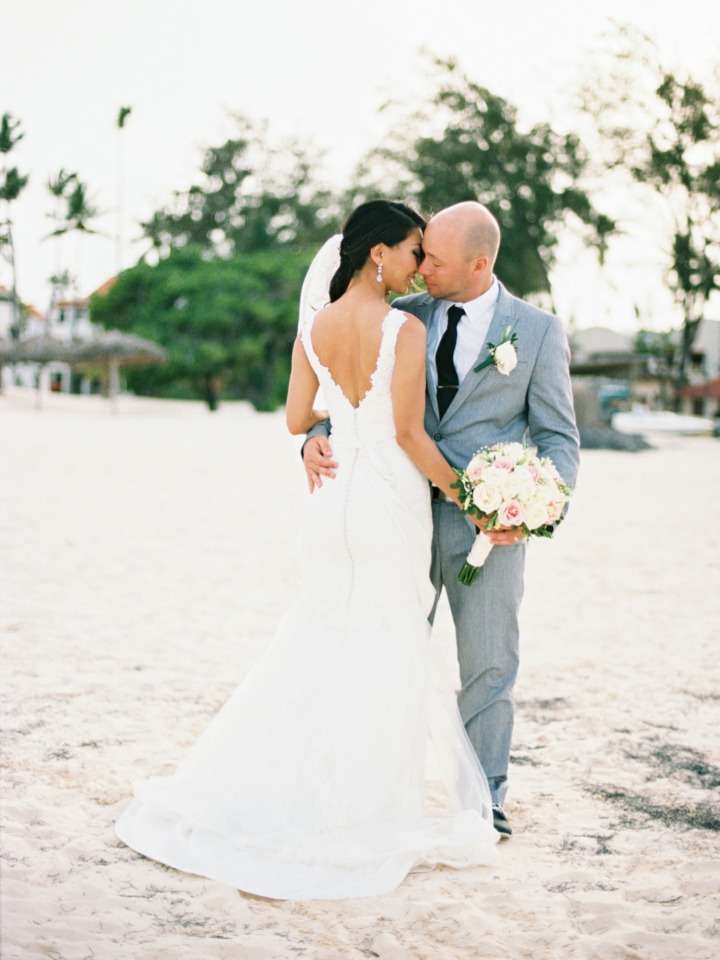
(436, 309)
(503, 318)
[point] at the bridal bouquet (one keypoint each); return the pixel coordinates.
(511, 487)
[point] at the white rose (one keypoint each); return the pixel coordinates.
(537, 516)
(505, 358)
(520, 485)
(515, 451)
(550, 491)
(503, 482)
(487, 497)
(543, 474)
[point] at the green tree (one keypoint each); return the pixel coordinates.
(473, 148)
(12, 183)
(251, 196)
(228, 324)
(661, 130)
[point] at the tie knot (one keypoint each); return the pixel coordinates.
(454, 314)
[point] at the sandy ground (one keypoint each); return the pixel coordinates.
(145, 560)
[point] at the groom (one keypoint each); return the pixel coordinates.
(464, 309)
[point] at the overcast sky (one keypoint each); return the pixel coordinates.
(318, 70)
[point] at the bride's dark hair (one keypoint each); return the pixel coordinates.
(377, 221)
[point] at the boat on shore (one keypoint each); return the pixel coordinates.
(641, 420)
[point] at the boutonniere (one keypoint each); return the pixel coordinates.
(504, 355)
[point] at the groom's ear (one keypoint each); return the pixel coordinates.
(481, 264)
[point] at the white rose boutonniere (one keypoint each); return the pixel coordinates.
(503, 355)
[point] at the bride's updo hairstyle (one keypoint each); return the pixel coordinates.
(377, 221)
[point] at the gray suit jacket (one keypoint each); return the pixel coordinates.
(533, 402)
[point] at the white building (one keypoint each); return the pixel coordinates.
(592, 342)
(67, 320)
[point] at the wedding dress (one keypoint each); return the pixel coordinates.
(338, 765)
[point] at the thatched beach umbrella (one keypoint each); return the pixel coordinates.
(6, 347)
(5, 351)
(114, 350)
(43, 349)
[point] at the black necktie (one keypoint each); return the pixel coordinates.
(446, 372)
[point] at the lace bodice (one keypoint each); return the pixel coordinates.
(372, 419)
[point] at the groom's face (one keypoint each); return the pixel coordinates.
(446, 270)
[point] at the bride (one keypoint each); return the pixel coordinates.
(338, 765)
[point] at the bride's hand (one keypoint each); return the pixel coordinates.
(318, 461)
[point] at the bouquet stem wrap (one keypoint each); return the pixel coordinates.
(479, 553)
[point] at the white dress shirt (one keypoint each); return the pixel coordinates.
(471, 331)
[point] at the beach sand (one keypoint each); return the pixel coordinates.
(146, 558)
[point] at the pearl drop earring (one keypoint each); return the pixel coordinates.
(379, 273)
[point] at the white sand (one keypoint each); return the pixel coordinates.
(146, 558)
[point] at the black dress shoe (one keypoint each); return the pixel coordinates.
(500, 822)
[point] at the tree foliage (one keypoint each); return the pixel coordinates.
(661, 129)
(73, 210)
(476, 150)
(233, 249)
(251, 196)
(228, 324)
(123, 114)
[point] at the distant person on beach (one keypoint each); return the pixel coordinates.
(465, 309)
(312, 781)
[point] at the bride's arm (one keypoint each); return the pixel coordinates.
(408, 396)
(300, 415)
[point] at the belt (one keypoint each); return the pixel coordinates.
(437, 494)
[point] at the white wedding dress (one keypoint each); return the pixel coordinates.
(338, 765)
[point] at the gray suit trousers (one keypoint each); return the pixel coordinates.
(485, 615)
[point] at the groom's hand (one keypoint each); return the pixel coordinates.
(318, 461)
(503, 536)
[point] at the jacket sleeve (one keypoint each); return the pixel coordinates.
(551, 415)
(322, 429)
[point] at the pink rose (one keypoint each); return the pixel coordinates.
(511, 514)
(554, 512)
(502, 465)
(475, 470)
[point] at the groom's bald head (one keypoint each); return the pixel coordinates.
(461, 244)
(474, 229)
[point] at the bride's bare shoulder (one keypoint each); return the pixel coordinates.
(413, 328)
(411, 341)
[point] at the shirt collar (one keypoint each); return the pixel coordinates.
(474, 309)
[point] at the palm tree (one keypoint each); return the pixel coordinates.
(73, 213)
(123, 114)
(11, 185)
(79, 211)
